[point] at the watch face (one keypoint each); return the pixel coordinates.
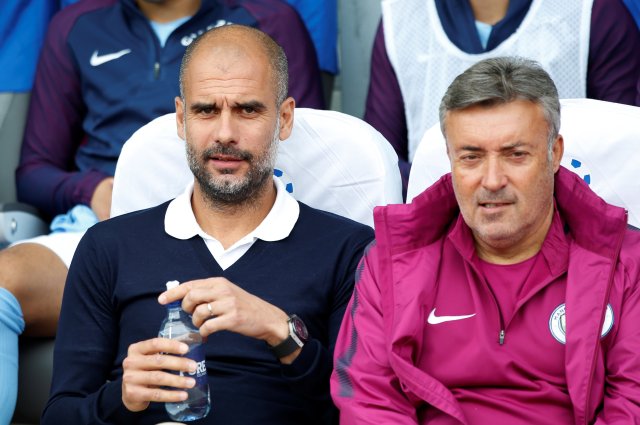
(299, 328)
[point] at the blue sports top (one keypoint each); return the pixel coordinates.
(103, 74)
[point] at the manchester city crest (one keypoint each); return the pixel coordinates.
(558, 323)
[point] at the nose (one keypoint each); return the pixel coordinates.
(494, 177)
(224, 131)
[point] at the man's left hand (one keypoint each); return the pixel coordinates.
(217, 304)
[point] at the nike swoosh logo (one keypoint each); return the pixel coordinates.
(435, 320)
(97, 60)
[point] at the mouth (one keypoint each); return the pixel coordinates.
(494, 205)
(225, 158)
(225, 164)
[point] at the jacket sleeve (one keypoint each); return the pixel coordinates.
(46, 176)
(613, 71)
(83, 390)
(363, 385)
(622, 362)
(384, 109)
(285, 26)
(309, 374)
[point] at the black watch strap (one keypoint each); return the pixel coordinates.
(293, 341)
(285, 348)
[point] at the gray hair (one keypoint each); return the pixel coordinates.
(272, 50)
(502, 80)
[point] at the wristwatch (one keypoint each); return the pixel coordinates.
(298, 335)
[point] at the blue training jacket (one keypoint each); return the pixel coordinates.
(102, 75)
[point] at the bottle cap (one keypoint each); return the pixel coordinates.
(172, 284)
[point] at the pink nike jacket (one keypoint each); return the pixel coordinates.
(375, 379)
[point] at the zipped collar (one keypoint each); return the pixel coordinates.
(593, 224)
(131, 7)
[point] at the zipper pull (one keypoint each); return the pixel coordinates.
(156, 70)
(501, 339)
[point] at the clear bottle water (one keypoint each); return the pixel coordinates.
(178, 325)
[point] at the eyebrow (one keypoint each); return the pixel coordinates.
(505, 148)
(198, 106)
(253, 104)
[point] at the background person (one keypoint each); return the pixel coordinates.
(591, 49)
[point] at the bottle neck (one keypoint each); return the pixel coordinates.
(173, 310)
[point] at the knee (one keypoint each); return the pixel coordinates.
(22, 266)
(13, 266)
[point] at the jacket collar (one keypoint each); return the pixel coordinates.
(205, 6)
(593, 224)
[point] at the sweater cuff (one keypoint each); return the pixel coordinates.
(110, 406)
(83, 191)
(306, 362)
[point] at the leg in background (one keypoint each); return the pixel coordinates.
(35, 276)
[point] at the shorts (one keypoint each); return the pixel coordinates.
(63, 244)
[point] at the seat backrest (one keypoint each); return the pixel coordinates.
(331, 161)
(601, 145)
(13, 116)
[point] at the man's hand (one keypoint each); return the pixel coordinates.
(144, 373)
(217, 304)
(101, 199)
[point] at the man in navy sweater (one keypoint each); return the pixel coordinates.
(266, 278)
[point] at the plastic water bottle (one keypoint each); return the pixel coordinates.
(178, 325)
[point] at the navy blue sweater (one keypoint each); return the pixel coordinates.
(110, 302)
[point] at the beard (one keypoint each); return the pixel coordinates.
(230, 192)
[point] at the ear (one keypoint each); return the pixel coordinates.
(286, 112)
(180, 117)
(556, 152)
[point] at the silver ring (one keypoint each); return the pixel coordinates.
(209, 308)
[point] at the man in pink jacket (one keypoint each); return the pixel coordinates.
(506, 293)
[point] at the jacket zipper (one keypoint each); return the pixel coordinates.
(156, 70)
(502, 333)
(606, 300)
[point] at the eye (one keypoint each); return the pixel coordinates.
(469, 157)
(248, 110)
(519, 154)
(206, 110)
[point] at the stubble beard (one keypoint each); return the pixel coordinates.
(220, 192)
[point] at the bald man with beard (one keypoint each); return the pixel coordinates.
(265, 277)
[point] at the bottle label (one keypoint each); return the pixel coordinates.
(196, 353)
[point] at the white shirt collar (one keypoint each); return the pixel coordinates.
(180, 222)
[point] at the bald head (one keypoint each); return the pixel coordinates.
(241, 42)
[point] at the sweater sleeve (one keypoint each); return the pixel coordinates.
(363, 384)
(285, 26)
(613, 70)
(309, 374)
(83, 390)
(385, 107)
(46, 176)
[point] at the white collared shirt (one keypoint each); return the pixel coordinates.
(180, 222)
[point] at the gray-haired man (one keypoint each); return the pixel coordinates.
(505, 293)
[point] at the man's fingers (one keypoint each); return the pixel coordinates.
(158, 362)
(209, 290)
(219, 323)
(175, 294)
(158, 345)
(200, 288)
(157, 378)
(134, 396)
